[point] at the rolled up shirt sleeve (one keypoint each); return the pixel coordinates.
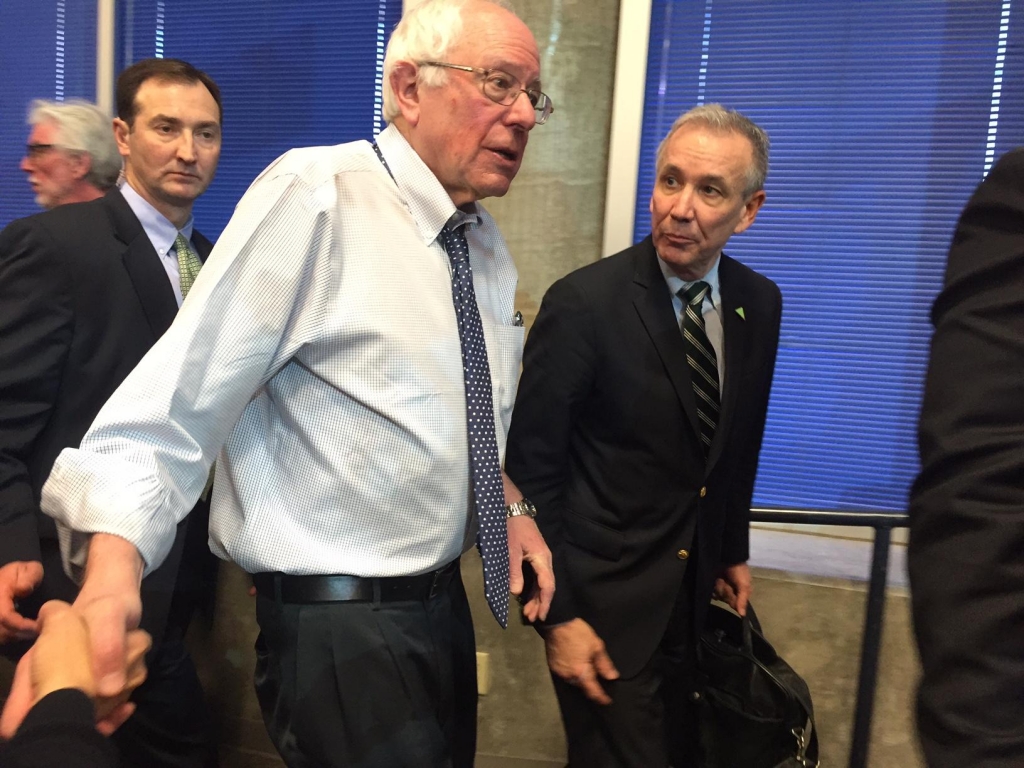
(259, 298)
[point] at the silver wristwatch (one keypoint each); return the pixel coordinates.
(523, 507)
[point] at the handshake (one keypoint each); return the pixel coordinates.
(61, 658)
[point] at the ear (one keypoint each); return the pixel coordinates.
(82, 162)
(121, 131)
(406, 89)
(750, 209)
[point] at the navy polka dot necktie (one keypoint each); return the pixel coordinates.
(492, 534)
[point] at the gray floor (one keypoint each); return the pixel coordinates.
(814, 618)
(844, 553)
(496, 761)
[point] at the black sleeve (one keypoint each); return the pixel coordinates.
(559, 363)
(966, 554)
(35, 334)
(736, 535)
(59, 732)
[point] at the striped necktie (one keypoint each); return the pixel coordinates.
(188, 264)
(488, 493)
(700, 356)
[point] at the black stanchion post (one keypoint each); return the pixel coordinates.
(870, 646)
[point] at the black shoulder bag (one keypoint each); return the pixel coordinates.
(754, 710)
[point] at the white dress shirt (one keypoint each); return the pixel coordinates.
(711, 309)
(318, 352)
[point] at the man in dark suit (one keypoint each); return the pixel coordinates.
(636, 433)
(966, 555)
(71, 156)
(85, 290)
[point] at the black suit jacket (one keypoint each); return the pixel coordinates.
(83, 296)
(604, 440)
(966, 552)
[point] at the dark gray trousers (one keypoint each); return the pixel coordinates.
(651, 722)
(369, 685)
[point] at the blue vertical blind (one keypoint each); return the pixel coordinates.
(883, 117)
(48, 52)
(291, 72)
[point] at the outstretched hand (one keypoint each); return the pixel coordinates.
(109, 602)
(18, 579)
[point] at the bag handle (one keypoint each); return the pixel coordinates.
(750, 624)
(807, 739)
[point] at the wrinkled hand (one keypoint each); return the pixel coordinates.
(110, 604)
(17, 580)
(60, 659)
(112, 711)
(577, 655)
(734, 586)
(525, 544)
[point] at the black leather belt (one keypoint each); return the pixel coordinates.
(336, 589)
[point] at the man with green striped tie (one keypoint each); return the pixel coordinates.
(636, 432)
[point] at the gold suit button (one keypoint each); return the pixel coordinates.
(703, 491)
(682, 554)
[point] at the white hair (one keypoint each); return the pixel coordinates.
(425, 33)
(724, 120)
(82, 127)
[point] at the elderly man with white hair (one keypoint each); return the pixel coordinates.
(71, 155)
(349, 356)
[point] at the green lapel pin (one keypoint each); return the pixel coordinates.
(741, 313)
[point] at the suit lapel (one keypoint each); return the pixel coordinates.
(654, 305)
(142, 264)
(203, 246)
(734, 328)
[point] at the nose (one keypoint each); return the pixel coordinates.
(26, 165)
(682, 206)
(521, 112)
(187, 148)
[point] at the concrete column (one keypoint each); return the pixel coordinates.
(553, 215)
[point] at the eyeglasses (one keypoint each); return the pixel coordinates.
(502, 88)
(38, 150)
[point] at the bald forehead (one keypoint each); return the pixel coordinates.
(476, 10)
(489, 19)
(495, 38)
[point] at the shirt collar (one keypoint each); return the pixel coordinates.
(430, 205)
(677, 284)
(160, 231)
